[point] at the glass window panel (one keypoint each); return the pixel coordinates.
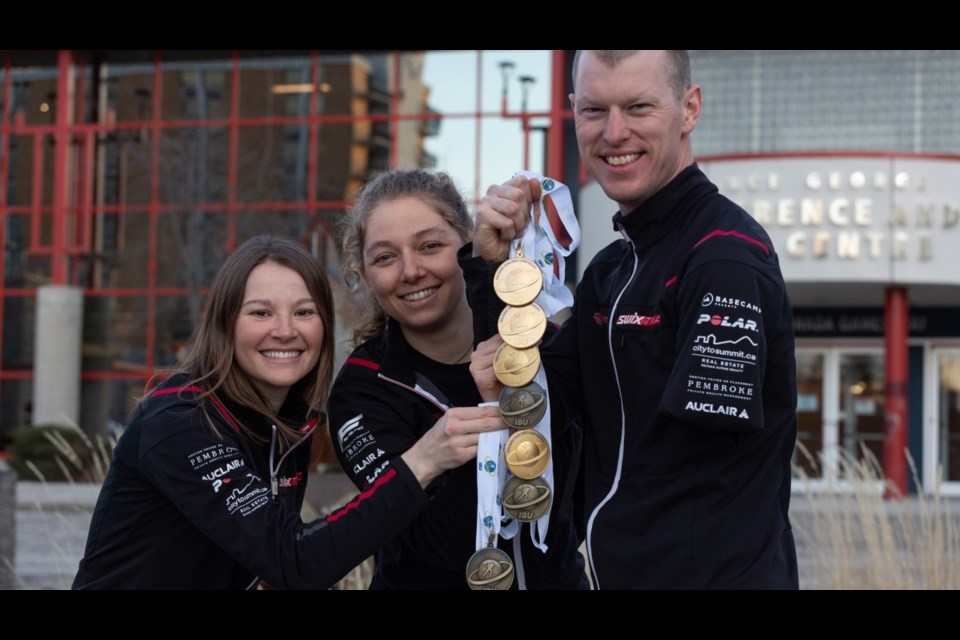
(862, 403)
(126, 91)
(19, 317)
(948, 429)
(280, 86)
(506, 149)
(286, 224)
(809, 414)
(528, 82)
(177, 318)
(193, 165)
(106, 408)
(272, 163)
(127, 264)
(455, 153)
(191, 246)
(126, 162)
(127, 328)
(452, 78)
(19, 267)
(347, 155)
(16, 404)
(34, 88)
(827, 100)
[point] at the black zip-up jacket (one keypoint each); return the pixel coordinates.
(183, 507)
(379, 407)
(680, 356)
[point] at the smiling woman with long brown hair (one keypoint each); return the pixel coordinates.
(207, 481)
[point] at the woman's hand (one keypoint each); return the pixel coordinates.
(451, 442)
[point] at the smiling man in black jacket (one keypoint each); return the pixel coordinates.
(679, 353)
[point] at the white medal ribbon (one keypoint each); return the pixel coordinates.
(491, 475)
(550, 241)
(547, 244)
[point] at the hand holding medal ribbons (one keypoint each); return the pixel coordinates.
(522, 282)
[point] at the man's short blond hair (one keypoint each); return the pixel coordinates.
(678, 59)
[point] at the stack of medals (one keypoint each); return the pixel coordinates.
(526, 496)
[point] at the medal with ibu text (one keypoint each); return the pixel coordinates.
(526, 500)
(527, 454)
(516, 367)
(490, 569)
(523, 407)
(522, 327)
(518, 281)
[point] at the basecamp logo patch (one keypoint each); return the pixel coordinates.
(710, 299)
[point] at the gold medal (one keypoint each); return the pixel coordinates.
(526, 500)
(518, 281)
(527, 454)
(516, 367)
(523, 407)
(522, 327)
(490, 569)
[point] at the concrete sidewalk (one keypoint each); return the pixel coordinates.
(53, 520)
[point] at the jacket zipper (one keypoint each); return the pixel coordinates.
(275, 470)
(623, 419)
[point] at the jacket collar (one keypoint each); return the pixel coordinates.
(397, 360)
(670, 207)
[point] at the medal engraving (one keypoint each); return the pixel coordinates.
(526, 500)
(527, 454)
(490, 569)
(523, 407)
(522, 327)
(516, 367)
(518, 281)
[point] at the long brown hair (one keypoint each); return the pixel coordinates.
(434, 188)
(211, 363)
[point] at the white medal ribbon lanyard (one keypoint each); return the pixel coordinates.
(556, 236)
(491, 476)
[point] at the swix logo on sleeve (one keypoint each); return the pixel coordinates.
(724, 321)
(637, 319)
(290, 481)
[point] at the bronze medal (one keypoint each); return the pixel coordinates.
(526, 500)
(518, 281)
(522, 327)
(516, 367)
(490, 569)
(527, 454)
(523, 407)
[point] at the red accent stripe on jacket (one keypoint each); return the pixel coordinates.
(369, 364)
(735, 234)
(336, 515)
(216, 402)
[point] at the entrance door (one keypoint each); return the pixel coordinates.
(840, 411)
(942, 435)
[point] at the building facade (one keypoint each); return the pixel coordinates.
(127, 176)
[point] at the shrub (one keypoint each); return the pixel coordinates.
(855, 539)
(58, 453)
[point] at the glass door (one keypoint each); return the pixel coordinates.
(840, 413)
(942, 436)
(862, 408)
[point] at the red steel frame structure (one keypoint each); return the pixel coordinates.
(73, 210)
